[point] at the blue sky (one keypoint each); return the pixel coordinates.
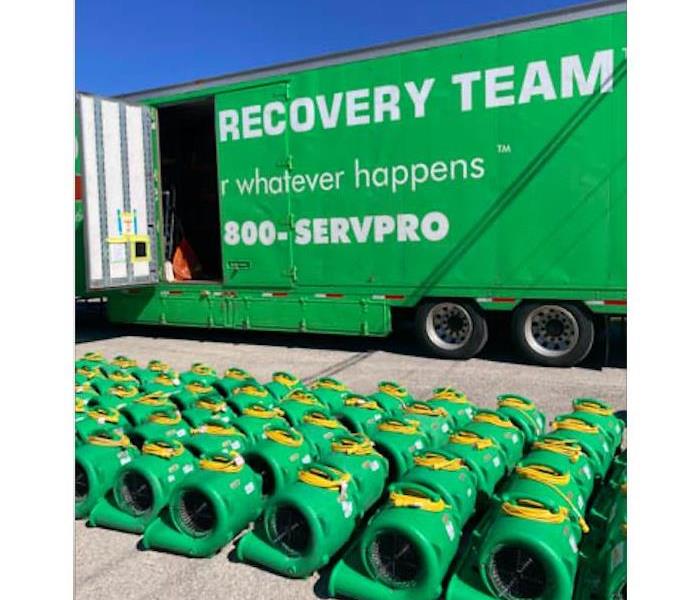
(132, 45)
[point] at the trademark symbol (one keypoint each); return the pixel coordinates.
(503, 148)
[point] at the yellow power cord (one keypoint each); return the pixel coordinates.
(260, 412)
(329, 384)
(252, 390)
(223, 464)
(592, 407)
(109, 415)
(79, 405)
(285, 437)
(237, 374)
(212, 405)
(101, 440)
(163, 449)
(321, 420)
(164, 379)
(154, 399)
(568, 448)
(164, 419)
(438, 462)
(534, 511)
(202, 369)
(124, 363)
(121, 377)
(319, 478)
(121, 391)
(449, 395)
(197, 388)
(303, 397)
(525, 407)
(93, 357)
(493, 419)
(396, 426)
(422, 408)
(573, 424)
(285, 379)
(158, 366)
(352, 447)
(552, 479)
(468, 438)
(392, 389)
(359, 402)
(89, 372)
(415, 499)
(216, 429)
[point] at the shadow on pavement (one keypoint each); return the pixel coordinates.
(92, 325)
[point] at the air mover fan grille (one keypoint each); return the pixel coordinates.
(82, 483)
(196, 513)
(395, 559)
(291, 530)
(517, 574)
(136, 493)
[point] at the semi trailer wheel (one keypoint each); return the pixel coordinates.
(451, 329)
(553, 335)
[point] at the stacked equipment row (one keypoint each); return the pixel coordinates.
(404, 498)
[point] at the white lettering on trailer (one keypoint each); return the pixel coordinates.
(496, 87)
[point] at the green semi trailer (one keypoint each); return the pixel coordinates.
(442, 177)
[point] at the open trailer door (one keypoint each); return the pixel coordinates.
(119, 192)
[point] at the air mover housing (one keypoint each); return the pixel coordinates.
(164, 422)
(206, 409)
(435, 421)
(221, 497)
(581, 429)
(305, 524)
(257, 418)
(142, 487)
(139, 410)
(153, 369)
(330, 391)
(194, 390)
(233, 378)
(359, 413)
(320, 428)
(282, 383)
(498, 427)
(392, 397)
(601, 414)
(299, 402)
(455, 403)
(398, 439)
(96, 463)
(200, 373)
(248, 395)
(97, 418)
(523, 412)
(214, 437)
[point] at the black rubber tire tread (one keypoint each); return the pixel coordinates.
(474, 345)
(575, 355)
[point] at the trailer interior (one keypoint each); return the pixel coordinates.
(191, 232)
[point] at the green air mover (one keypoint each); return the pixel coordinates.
(483, 455)
(305, 524)
(206, 409)
(330, 391)
(299, 402)
(603, 572)
(165, 422)
(123, 362)
(319, 428)
(447, 475)
(578, 428)
(142, 487)
(214, 437)
(233, 378)
(257, 418)
(89, 373)
(564, 456)
(118, 396)
(96, 463)
(522, 549)
(359, 414)
(138, 411)
(163, 382)
(208, 508)
(398, 440)
(282, 383)
(391, 396)
(435, 421)
(153, 369)
(404, 551)
(187, 396)
(90, 359)
(248, 395)
(523, 412)
(601, 414)
(355, 454)
(489, 423)
(117, 379)
(607, 496)
(200, 373)
(279, 456)
(455, 403)
(96, 418)
(85, 391)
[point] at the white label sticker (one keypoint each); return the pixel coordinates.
(617, 555)
(469, 491)
(418, 445)
(187, 468)
(496, 461)
(181, 433)
(586, 471)
(347, 508)
(249, 488)
(445, 428)
(306, 460)
(125, 459)
(374, 465)
(171, 478)
(605, 446)
(580, 502)
(235, 444)
(450, 529)
(572, 543)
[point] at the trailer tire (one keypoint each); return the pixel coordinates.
(553, 334)
(451, 329)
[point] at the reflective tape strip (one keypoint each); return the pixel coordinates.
(496, 299)
(606, 302)
(388, 297)
(329, 295)
(274, 294)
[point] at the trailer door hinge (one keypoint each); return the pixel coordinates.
(286, 163)
(292, 273)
